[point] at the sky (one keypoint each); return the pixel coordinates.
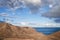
(32, 13)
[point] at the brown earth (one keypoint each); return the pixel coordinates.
(54, 36)
(11, 32)
(16, 39)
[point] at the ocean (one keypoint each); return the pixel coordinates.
(47, 30)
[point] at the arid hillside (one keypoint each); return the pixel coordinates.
(11, 32)
(54, 36)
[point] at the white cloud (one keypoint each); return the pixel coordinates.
(29, 24)
(34, 2)
(15, 4)
(4, 14)
(23, 23)
(33, 5)
(50, 6)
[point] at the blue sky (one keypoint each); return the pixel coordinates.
(29, 14)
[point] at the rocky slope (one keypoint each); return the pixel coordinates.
(54, 36)
(11, 32)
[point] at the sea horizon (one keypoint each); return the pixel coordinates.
(47, 30)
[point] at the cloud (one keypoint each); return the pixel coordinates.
(57, 20)
(55, 10)
(31, 24)
(53, 13)
(3, 14)
(6, 15)
(33, 5)
(12, 4)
